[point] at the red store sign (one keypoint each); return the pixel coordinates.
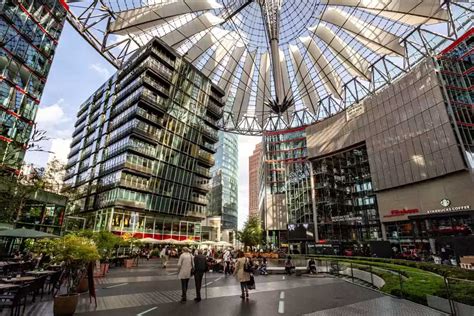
(396, 213)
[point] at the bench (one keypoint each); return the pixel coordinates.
(281, 270)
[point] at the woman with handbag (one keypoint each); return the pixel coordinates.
(242, 271)
(185, 271)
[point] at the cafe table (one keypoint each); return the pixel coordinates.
(40, 273)
(23, 279)
(5, 287)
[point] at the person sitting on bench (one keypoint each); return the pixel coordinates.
(312, 266)
(289, 266)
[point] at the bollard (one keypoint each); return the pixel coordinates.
(371, 276)
(401, 284)
(352, 273)
(451, 303)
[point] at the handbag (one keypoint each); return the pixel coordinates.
(251, 283)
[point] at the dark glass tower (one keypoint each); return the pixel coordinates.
(345, 200)
(29, 33)
(143, 147)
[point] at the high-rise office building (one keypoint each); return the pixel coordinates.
(143, 147)
(223, 196)
(29, 34)
(285, 190)
(255, 162)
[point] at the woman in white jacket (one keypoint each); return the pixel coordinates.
(185, 265)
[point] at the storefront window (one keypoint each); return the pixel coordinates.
(149, 224)
(117, 221)
(183, 231)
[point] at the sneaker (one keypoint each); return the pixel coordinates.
(197, 299)
(183, 299)
(242, 296)
(247, 295)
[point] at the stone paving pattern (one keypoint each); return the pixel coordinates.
(149, 290)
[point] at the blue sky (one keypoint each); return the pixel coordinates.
(77, 71)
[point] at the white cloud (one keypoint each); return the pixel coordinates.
(54, 120)
(246, 147)
(60, 149)
(51, 114)
(101, 70)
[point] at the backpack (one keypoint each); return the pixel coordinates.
(248, 267)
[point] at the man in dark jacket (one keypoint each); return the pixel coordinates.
(200, 267)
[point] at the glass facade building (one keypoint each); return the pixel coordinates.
(143, 147)
(223, 197)
(286, 190)
(345, 201)
(456, 65)
(29, 34)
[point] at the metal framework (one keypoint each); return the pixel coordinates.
(282, 63)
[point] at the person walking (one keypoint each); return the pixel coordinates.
(200, 267)
(185, 267)
(164, 256)
(243, 276)
(226, 257)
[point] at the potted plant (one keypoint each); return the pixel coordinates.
(106, 243)
(75, 252)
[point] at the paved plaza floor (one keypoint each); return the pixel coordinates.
(149, 290)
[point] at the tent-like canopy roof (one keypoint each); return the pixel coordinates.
(282, 63)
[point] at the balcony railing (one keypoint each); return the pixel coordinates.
(139, 168)
(214, 109)
(199, 200)
(203, 172)
(209, 146)
(206, 157)
(210, 133)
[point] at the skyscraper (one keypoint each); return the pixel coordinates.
(255, 161)
(143, 147)
(285, 190)
(223, 197)
(29, 33)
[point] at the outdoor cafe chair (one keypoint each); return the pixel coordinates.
(15, 300)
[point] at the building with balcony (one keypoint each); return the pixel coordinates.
(143, 147)
(223, 197)
(29, 34)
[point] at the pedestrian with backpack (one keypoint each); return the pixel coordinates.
(243, 268)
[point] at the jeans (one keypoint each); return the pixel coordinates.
(243, 287)
(184, 287)
(198, 282)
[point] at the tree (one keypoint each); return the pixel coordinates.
(252, 233)
(17, 185)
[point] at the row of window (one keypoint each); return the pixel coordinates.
(13, 128)
(16, 101)
(20, 75)
(23, 50)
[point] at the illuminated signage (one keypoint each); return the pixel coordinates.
(450, 209)
(396, 213)
(346, 218)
